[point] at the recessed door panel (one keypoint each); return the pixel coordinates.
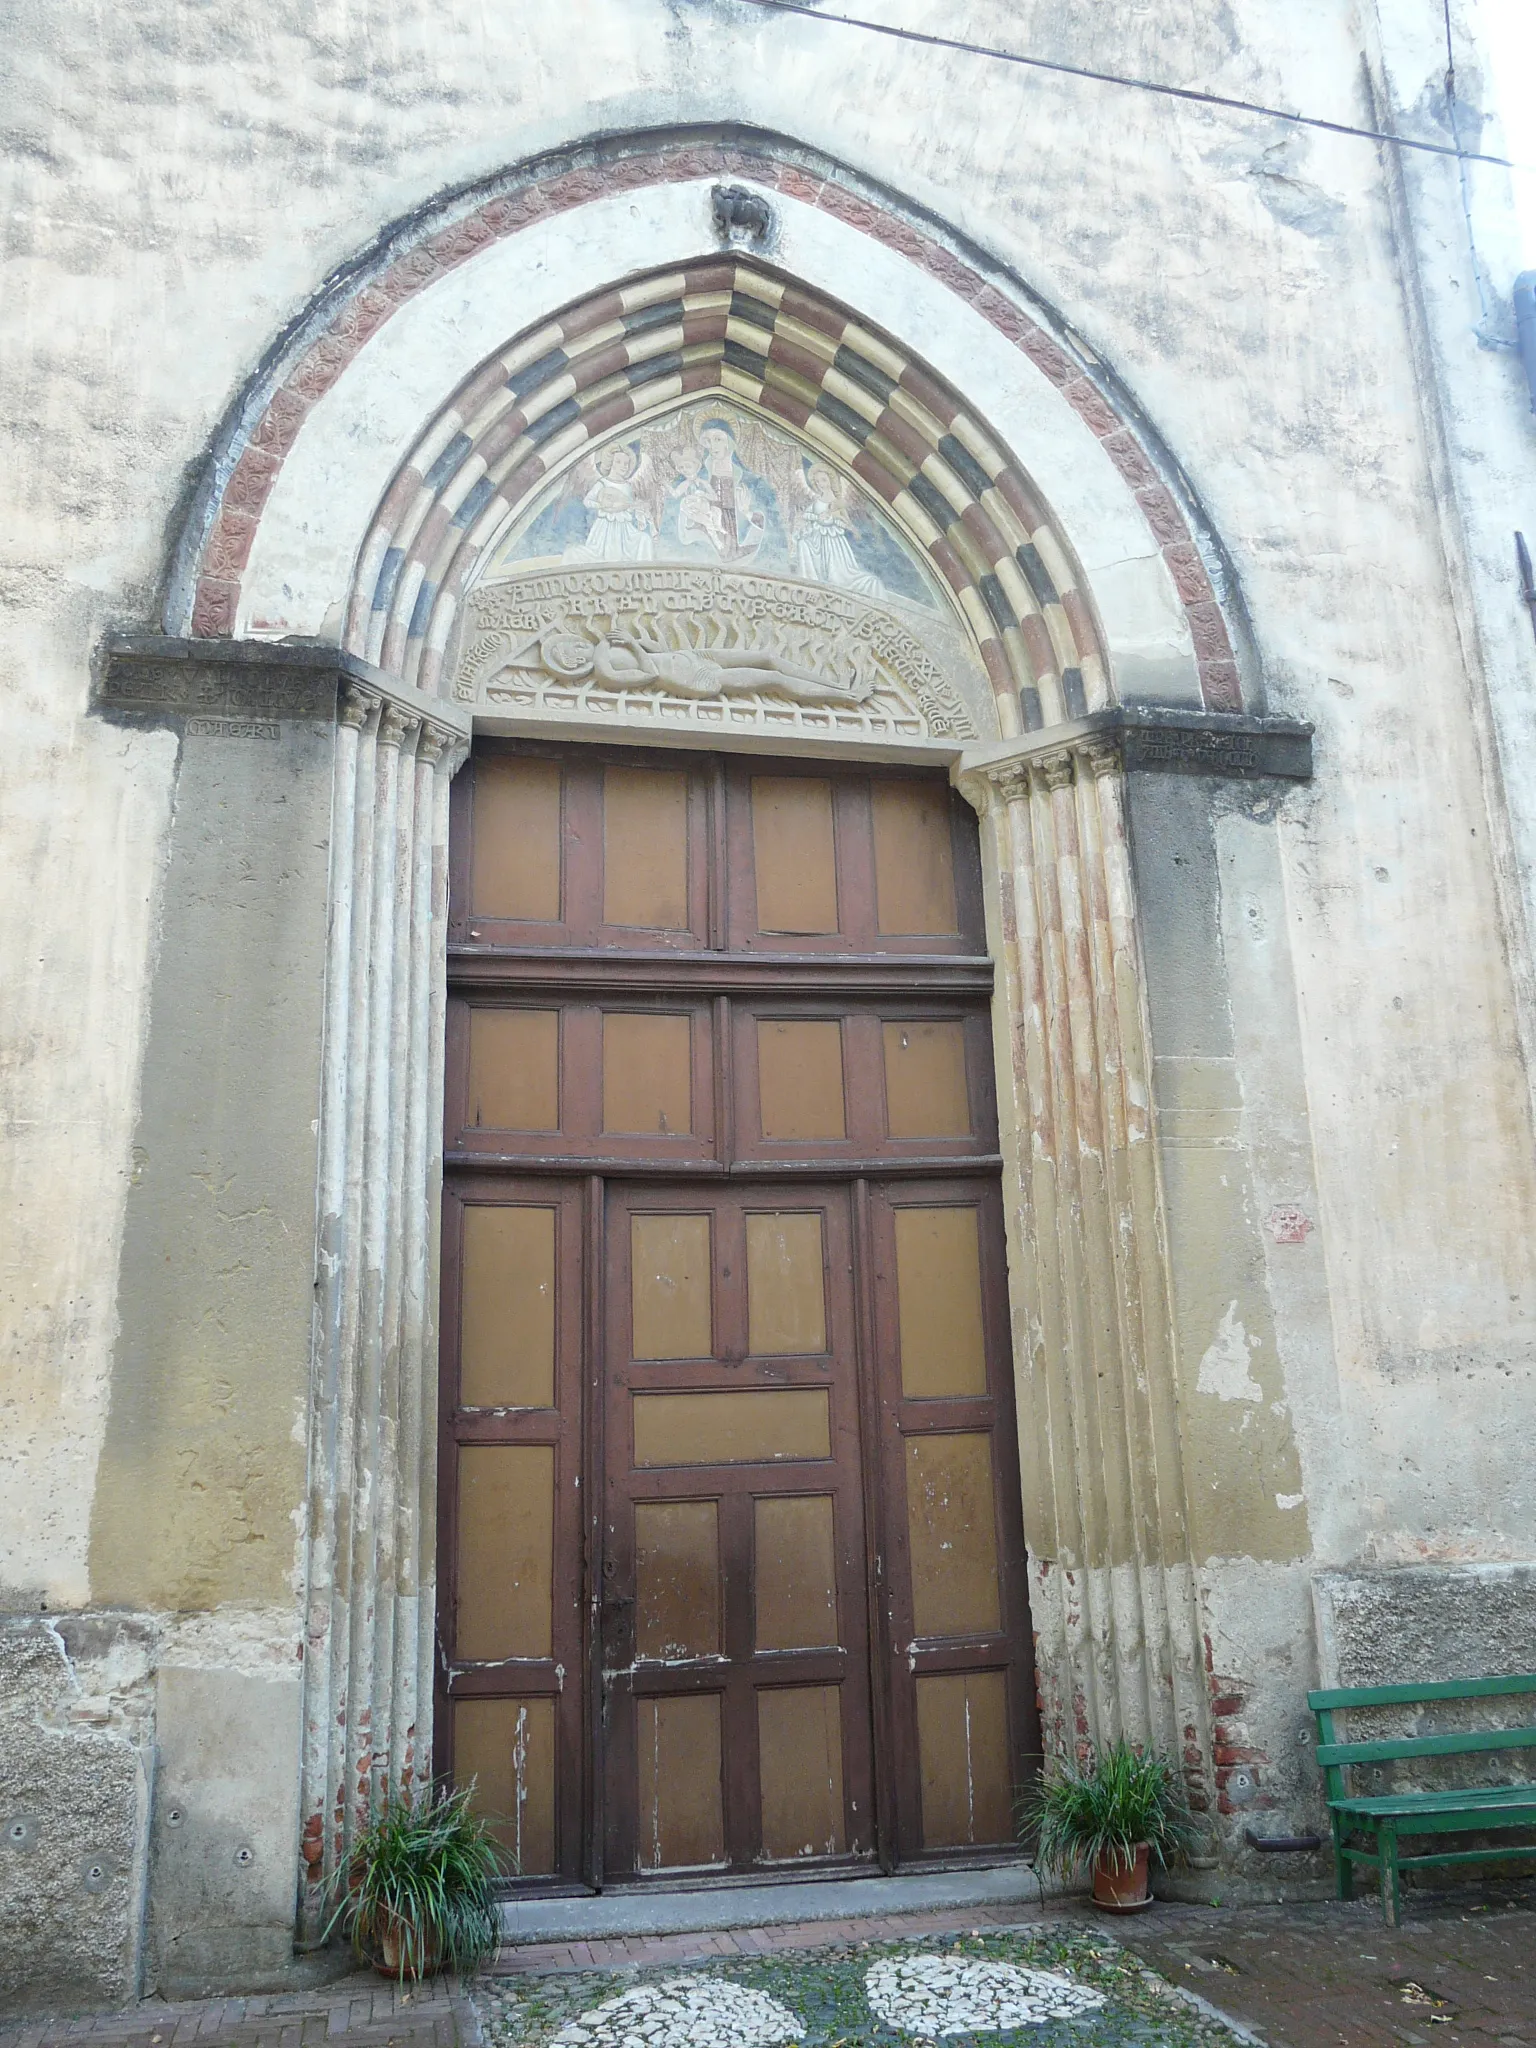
(794, 1572)
(951, 1529)
(507, 1319)
(645, 848)
(964, 1756)
(925, 1080)
(507, 1747)
(647, 1074)
(671, 1277)
(794, 855)
(914, 860)
(681, 1799)
(938, 1303)
(516, 861)
(786, 1284)
(508, 1750)
(506, 1550)
(800, 1771)
(677, 1575)
(514, 1070)
(760, 1427)
(800, 1078)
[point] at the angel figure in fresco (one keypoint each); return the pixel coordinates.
(623, 527)
(823, 540)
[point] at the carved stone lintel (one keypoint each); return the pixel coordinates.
(728, 649)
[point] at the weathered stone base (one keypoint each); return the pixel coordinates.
(148, 1807)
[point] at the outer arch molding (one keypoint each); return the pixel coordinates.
(275, 483)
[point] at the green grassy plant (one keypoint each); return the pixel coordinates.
(417, 1893)
(1119, 1798)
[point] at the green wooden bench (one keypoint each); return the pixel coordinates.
(1384, 1817)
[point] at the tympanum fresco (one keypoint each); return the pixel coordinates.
(709, 568)
(717, 484)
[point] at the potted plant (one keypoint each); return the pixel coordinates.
(1114, 1812)
(417, 1892)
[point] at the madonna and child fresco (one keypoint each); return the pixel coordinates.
(716, 485)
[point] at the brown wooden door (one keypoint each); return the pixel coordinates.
(955, 1586)
(731, 1558)
(736, 1672)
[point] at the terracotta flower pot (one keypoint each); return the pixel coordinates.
(392, 1938)
(1120, 1880)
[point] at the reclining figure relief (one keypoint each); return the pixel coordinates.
(620, 662)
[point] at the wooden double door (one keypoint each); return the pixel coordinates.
(730, 1554)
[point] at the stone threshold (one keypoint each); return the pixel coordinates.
(637, 1912)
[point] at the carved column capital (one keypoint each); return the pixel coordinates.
(1102, 757)
(354, 705)
(439, 740)
(396, 725)
(1055, 770)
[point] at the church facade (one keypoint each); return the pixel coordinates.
(770, 859)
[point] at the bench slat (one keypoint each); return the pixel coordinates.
(1450, 1821)
(1469, 1799)
(1426, 1745)
(1438, 1689)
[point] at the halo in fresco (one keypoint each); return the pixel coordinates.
(716, 484)
(938, 1995)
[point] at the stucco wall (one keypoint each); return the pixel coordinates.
(1296, 318)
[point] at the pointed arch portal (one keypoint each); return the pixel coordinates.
(565, 462)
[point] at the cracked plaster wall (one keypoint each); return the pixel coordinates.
(1300, 330)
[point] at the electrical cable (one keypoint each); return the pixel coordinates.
(1176, 92)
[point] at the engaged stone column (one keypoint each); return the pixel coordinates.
(1113, 1587)
(266, 1483)
(1111, 1590)
(369, 1633)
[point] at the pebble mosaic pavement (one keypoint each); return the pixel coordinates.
(1045, 1987)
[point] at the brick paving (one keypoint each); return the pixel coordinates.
(1460, 1973)
(1460, 1970)
(363, 2008)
